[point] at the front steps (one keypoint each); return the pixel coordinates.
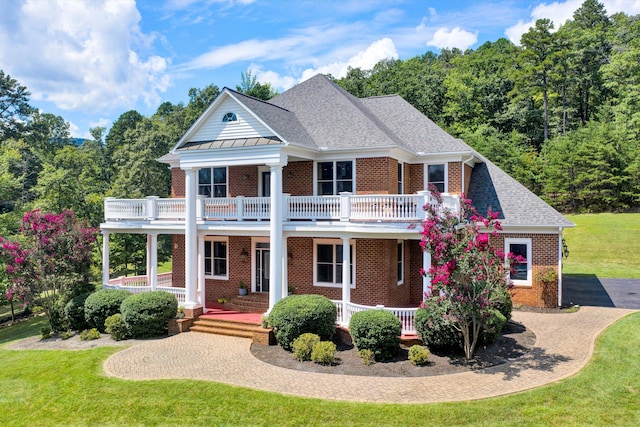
(236, 328)
(252, 303)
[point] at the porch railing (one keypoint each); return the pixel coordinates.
(139, 284)
(344, 207)
(405, 315)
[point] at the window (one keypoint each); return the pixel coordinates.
(229, 117)
(216, 258)
(212, 182)
(400, 262)
(328, 263)
(400, 178)
(522, 273)
(436, 176)
(335, 177)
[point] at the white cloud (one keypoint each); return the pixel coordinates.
(561, 11)
(276, 80)
(87, 56)
(457, 37)
(365, 59)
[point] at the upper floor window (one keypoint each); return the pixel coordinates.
(335, 177)
(230, 117)
(400, 178)
(436, 176)
(212, 182)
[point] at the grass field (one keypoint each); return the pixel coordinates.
(51, 388)
(607, 245)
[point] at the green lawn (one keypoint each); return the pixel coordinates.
(607, 245)
(68, 388)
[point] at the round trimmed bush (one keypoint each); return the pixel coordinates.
(378, 331)
(433, 327)
(297, 314)
(303, 346)
(495, 323)
(419, 355)
(324, 353)
(74, 313)
(102, 304)
(147, 314)
(115, 326)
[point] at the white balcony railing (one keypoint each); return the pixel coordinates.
(405, 315)
(139, 284)
(345, 207)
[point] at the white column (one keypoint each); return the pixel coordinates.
(559, 266)
(426, 279)
(346, 275)
(275, 236)
(152, 260)
(201, 295)
(285, 262)
(105, 257)
(190, 239)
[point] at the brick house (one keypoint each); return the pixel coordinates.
(290, 191)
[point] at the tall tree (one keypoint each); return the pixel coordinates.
(250, 86)
(14, 107)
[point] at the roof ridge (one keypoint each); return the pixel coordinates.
(254, 98)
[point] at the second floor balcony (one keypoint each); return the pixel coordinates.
(344, 207)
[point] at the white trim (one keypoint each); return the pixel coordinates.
(559, 266)
(398, 263)
(334, 243)
(253, 258)
(527, 241)
(446, 175)
(262, 169)
(225, 240)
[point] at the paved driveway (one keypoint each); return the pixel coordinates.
(590, 290)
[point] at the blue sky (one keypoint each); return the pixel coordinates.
(89, 62)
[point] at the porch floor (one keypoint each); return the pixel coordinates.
(218, 311)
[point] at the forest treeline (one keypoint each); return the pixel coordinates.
(560, 113)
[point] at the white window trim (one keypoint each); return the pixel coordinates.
(353, 174)
(401, 281)
(446, 175)
(527, 241)
(224, 239)
(212, 168)
(334, 242)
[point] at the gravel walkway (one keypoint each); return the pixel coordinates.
(564, 345)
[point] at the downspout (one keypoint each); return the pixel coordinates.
(559, 266)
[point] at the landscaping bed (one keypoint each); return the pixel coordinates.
(514, 342)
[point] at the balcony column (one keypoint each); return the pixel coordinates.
(152, 260)
(275, 236)
(285, 266)
(191, 243)
(201, 295)
(346, 275)
(105, 257)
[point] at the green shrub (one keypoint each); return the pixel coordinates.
(45, 332)
(89, 334)
(495, 323)
(74, 313)
(367, 356)
(303, 346)
(419, 355)
(102, 304)
(324, 353)
(433, 327)
(298, 314)
(57, 319)
(147, 314)
(501, 300)
(115, 326)
(66, 335)
(378, 331)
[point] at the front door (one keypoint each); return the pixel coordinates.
(262, 267)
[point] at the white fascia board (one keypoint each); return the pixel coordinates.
(360, 231)
(143, 227)
(242, 156)
(529, 229)
(456, 156)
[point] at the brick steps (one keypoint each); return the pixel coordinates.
(225, 327)
(253, 303)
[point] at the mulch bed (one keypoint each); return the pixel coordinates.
(515, 341)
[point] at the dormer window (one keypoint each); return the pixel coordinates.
(230, 117)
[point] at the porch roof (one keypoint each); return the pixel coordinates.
(230, 143)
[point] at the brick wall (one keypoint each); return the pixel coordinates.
(177, 182)
(243, 181)
(544, 251)
(177, 262)
(414, 177)
(413, 274)
(376, 175)
(238, 271)
(455, 178)
(297, 178)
